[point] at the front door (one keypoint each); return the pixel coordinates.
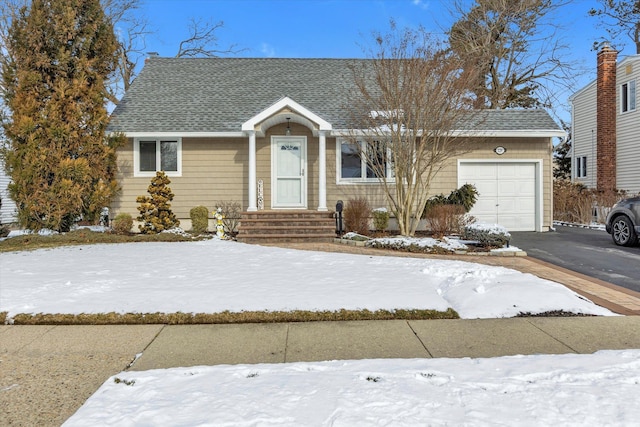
(289, 182)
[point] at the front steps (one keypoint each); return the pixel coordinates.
(275, 226)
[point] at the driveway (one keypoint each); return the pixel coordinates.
(586, 251)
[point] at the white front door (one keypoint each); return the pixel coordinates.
(288, 174)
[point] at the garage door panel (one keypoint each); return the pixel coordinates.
(484, 208)
(507, 193)
(508, 189)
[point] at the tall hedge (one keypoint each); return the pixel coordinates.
(59, 55)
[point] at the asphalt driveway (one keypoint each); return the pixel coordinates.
(586, 251)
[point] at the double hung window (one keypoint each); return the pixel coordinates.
(581, 167)
(628, 96)
(153, 155)
(361, 161)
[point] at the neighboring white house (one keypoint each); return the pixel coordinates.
(8, 209)
(606, 126)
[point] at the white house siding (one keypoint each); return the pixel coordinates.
(584, 133)
(628, 130)
(8, 209)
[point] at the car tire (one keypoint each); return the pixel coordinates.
(622, 231)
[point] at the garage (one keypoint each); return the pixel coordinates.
(508, 192)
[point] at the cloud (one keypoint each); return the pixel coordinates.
(267, 50)
(421, 4)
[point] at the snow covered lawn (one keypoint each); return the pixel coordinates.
(215, 276)
(543, 390)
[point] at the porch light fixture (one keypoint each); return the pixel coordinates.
(288, 131)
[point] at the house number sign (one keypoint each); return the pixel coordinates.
(500, 150)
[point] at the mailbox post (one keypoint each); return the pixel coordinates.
(339, 207)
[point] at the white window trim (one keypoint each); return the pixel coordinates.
(630, 88)
(350, 181)
(581, 167)
(136, 156)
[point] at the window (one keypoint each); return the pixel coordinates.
(581, 167)
(355, 167)
(628, 96)
(152, 155)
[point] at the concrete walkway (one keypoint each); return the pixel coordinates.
(193, 345)
(47, 372)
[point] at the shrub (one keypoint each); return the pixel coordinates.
(380, 219)
(155, 210)
(356, 215)
(199, 219)
(122, 223)
(465, 196)
(574, 202)
(232, 212)
(487, 235)
(446, 219)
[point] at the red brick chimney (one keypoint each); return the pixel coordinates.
(606, 118)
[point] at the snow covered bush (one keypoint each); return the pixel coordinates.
(356, 215)
(487, 235)
(199, 219)
(380, 219)
(122, 223)
(155, 210)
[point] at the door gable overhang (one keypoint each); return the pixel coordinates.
(285, 108)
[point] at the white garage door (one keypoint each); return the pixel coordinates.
(507, 193)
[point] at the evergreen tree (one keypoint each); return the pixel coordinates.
(155, 210)
(561, 157)
(59, 55)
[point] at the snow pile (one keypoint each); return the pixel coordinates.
(579, 390)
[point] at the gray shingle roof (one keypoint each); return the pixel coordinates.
(219, 94)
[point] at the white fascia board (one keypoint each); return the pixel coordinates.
(630, 58)
(537, 133)
(182, 134)
(285, 102)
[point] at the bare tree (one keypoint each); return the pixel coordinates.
(132, 31)
(620, 17)
(202, 41)
(410, 99)
(514, 51)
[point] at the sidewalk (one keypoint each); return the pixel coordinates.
(47, 372)
(192, 345)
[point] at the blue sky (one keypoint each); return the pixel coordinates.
(336, 28)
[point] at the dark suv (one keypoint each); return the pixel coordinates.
(623, 222)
